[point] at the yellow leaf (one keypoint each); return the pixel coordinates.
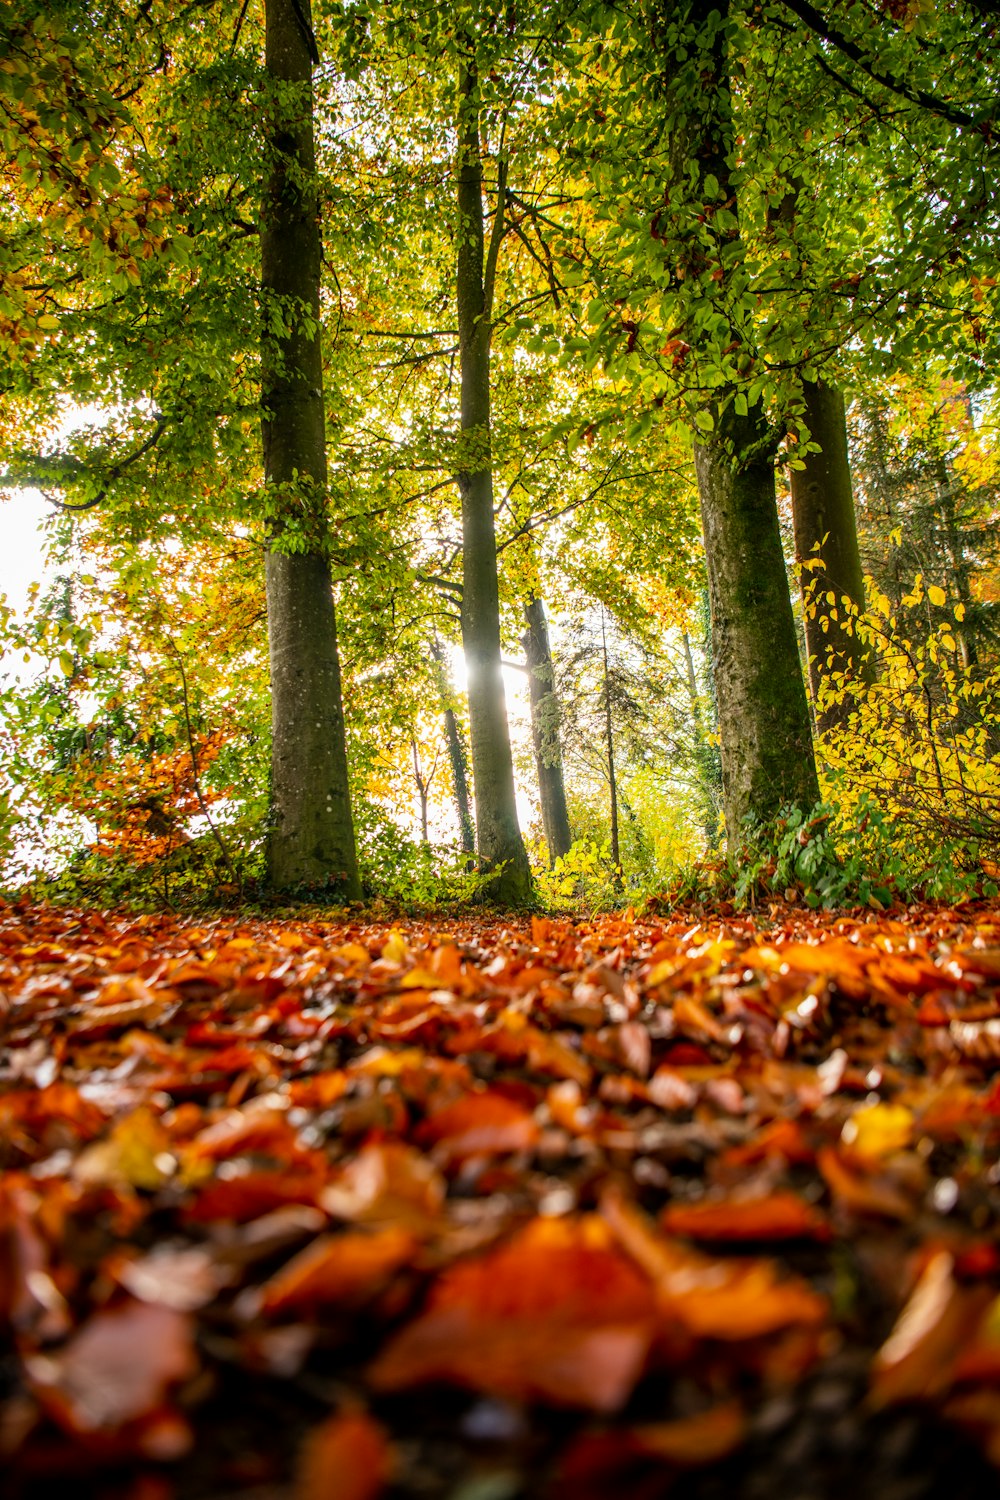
(395, 949)
(48, 321)
(879, 1129)
(935, 594)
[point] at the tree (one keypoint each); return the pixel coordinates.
(457, 757)
(545, 730)
(498, 837)
(311, 839)
(767, 757)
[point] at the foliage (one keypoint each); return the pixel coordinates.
(409, 875)
(584, 879)
(835, 855)
(923, 740)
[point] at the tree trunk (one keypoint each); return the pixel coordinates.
(500, 846)
(705, 756)
(456, 755)
(545, 731)
(826, 528)
(616, 852)
(423, 790)
(767, 753)
(311, 838)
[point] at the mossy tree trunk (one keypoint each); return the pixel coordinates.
(764, 731)
(311, 838)
(498, 837)
(764, 728)
(545, 730)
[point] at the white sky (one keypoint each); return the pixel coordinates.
(21, 561)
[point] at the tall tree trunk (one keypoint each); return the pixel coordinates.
(456, 754)
(311, 838)
(545, 730)
(616, 852)
(705, 758)
(767, 754)
(498, 836)
(764, 731)
(826, 528)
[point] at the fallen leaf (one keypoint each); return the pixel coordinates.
(478, 1124)
(118, 1368)
(555, 1314)
(778, 1216)
(343, 1269)
(387, 1182)
(918, 1358)
(347, 1458)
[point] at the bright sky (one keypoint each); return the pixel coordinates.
(21, 560)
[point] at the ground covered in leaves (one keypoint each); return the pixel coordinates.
(698, 1205)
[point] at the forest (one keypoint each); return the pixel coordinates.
(641, 366)
(500, 768)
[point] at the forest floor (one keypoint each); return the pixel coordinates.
(703, 1204)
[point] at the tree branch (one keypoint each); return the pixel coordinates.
(826, 31)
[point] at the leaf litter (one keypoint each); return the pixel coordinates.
(684, 1205)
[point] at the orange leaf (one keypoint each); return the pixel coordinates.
(479, 1124)
(344, 1268)
(692, 1441)
(556, 1314)
(720, 1299)
(387, 1183)
(779, 1216)
(347, 1458)
(917, 1359)
(862, 1193)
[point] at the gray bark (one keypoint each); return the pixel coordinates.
(498, 837)
(545, 731)
(826, 528)
(311, 837)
